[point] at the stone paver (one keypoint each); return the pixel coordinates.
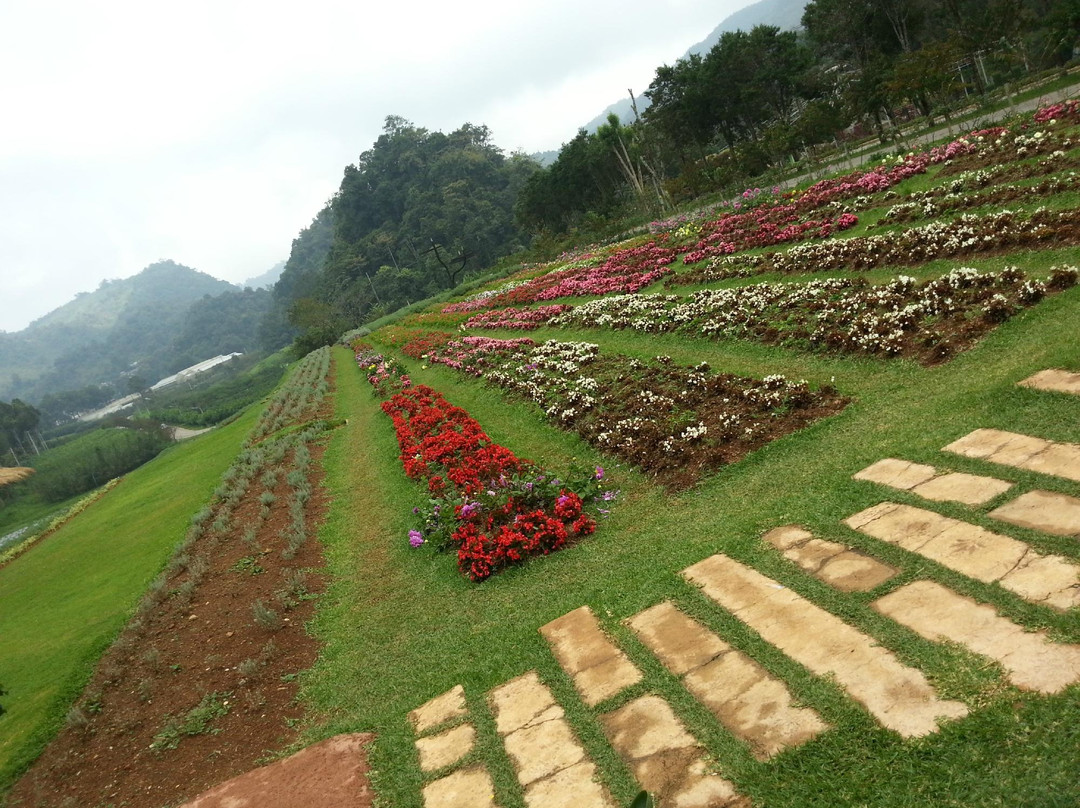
(1043, 510)
(967, 489)
(929, 483)
(750, 702)
(975, 552)
(1054, 379)
(1030, 659)
(523, 702)
(1021, 451)
(550, 762)
(666, 759)
(466, 788)
(897, 696)
(599, 669)
(835, 564)
(446, 748)
(447, 707)
(894, 473)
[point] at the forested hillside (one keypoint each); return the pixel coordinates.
(126, 334)
(412, 216)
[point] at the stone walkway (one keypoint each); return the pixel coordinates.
(1054, 379)
(552, 765)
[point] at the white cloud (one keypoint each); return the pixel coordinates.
(212, 132)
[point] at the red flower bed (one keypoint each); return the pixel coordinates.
(502, 506)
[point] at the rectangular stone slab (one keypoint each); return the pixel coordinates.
(975, 552)
(1047, 511)
(898, 696)
(599, 669)
(666, 759)
(836, 564)
(1054, 379)
(441, 709)
(1021, 451)
(744, 697)
(549, 760)
(1030, 659)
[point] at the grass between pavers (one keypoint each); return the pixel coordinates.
(64, 600)
(402, 626)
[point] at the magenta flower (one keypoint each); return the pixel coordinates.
(599, 472)
(416, 538)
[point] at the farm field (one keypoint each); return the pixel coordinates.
(811, 542)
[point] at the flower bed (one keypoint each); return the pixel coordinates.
(929, 321)
(493, 508)
(516, 318)
(968, 235)
(673, 422)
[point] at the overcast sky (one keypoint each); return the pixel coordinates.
(210, 133)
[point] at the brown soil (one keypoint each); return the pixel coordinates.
(330, 774)
(195, 645)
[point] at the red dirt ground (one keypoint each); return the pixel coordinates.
(186, 647)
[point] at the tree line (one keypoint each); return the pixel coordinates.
(762, 97)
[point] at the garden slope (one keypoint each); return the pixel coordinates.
(62, 602)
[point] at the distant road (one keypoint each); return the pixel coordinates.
(183, 433)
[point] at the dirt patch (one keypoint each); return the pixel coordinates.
(331, 774)
(201, 686)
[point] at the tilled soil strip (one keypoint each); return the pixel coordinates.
(898, 696)
(974, 551)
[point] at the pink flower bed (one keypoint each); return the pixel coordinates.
(520, 319)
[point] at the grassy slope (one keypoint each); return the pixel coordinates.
(62, 602)
(402, 626)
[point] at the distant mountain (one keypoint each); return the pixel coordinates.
(784, 14)
(123, 326)
(267, 279)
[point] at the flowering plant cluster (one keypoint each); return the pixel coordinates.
(493, 507)
(968, 235)
(516, 318)
(964, 193)
(928, 321)
(384, 374)
(672, 421)
(1059, 111)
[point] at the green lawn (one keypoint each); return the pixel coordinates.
(401, 626)
(63, 601)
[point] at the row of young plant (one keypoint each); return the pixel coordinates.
(928, 321)
(492, 508)
(298, 398)
(937, 202)
(966, 236)
(671, 421)
(256, 468)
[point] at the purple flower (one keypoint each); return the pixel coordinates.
(599, 472)
(562, 500)
(468, 509)
(416, 538)
(607, 496)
